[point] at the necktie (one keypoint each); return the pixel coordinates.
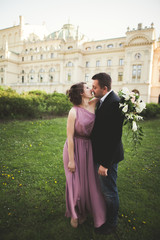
(100, 103)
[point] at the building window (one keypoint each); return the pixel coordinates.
(31, 58)
(69, 77)
(99, 47)
(51, 78)
(52, 55)
(88, 48)
(22, 71)
(87, 64)
(1, 80)
(2, 70)
(22, 59)
(52, 70)
(41, 57)
(121, 44)
(136, 73)
(121, 62)
(70, 47)
(69, 64)
(97, 63)
(137, 56)
(41, 78)
(22, 79)
(120, 76)
(86, 77)
(109, 62)
(109, 45)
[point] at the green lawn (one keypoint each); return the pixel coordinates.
(32, 182)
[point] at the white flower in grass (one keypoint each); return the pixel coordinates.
(125, 108)
(134, 126)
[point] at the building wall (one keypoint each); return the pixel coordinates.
(30, 59)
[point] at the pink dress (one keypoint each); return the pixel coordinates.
(83, 194)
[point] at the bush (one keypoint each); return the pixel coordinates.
(152, 110)
(32, 104)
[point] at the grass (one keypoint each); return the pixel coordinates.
(32, 183)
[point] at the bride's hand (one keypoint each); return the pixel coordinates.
(71, 166)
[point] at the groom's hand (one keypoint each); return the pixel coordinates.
(102, 171)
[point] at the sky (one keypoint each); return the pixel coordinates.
(97, 19)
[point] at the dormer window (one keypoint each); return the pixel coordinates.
(99, 47)
(110, 45)
(121, 44)
(88, 48)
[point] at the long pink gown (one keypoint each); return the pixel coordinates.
(83, 194)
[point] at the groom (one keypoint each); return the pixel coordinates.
(107, 146)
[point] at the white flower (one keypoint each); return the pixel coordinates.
(121, 105)
(140, 106)
(134, 126)
(129, 116)
(137, 117)
(125, 108)
(125, 91)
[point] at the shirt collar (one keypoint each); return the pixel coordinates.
(104, 97)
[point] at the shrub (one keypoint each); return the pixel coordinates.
(32, 104)
(152, 110)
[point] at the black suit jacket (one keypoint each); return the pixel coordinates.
(107, 132)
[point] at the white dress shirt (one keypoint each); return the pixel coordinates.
(104, 97)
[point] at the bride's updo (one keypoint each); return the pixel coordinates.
(75, 92)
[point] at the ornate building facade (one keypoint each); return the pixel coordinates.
(31, 58)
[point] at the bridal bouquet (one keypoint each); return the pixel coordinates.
(132, 105)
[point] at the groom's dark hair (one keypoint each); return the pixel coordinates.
(104, 79)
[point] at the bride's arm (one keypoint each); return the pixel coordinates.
(70, 137)
(94, 101)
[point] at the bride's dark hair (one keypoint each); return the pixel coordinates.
(75, 92)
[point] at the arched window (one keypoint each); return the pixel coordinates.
(69, 77)
(31, 74)
(41, 75)
(52, 70)
(51, 74)
(69, 64)
(32, 71)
